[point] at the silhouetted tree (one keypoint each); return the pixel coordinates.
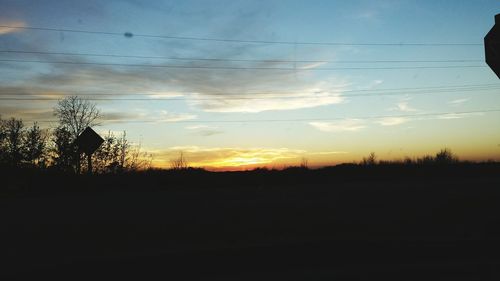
(30, 146)
(64, 150)
(124, 150)
(34, 146)
(75, 114)
(3, 143)
(14, 141)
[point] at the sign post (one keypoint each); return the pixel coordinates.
(88, 141)
(492, 47)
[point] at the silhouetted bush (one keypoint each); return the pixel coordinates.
(425, 160)
(408, 161)
(179, 163)
(304, 163)
(116, 155)
(370, 160)
(445, 156)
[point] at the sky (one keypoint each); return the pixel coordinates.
(241, 84)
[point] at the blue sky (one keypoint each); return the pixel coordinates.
(325, 122)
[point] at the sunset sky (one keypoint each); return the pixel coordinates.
(239, 84)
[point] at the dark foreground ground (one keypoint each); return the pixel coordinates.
(347, 223)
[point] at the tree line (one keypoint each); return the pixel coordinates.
(55, 148)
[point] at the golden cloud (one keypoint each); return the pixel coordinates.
(227, 158)
(6, 30)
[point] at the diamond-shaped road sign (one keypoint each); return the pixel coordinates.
(492, 47)
(88, 141)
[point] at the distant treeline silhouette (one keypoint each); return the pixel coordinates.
(55, 148)
(442, 157)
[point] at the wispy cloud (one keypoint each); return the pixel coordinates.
(392, 121)
(404, 107)
(15, 23)
(458, 102)
(211, 91)
(26, 113)
(312, 65)
(254, 104)
(204, 130)
(163, 94)
(155, 116)
(358, 124)
(325, 153)
(198, 127)
(208, 133)
(375, 83)
(450, 116)
(166, 116)
(348, 125)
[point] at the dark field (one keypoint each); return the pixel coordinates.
(342, 223)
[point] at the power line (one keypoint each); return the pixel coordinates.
(232, 97)
(242, 68)
(268, 92)
(129, 34)
(237, 60)
(228, 96)
(298, 119)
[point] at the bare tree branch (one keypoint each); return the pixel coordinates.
(75, 114)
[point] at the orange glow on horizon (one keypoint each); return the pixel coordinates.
(249, 163)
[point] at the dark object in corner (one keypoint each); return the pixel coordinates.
(492, 47)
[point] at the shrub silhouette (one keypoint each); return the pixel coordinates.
(179, 163)
(370, 160)
(425, 160)
(304, 163)
(445, 156)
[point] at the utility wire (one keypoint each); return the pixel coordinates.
(236, 60)
(130, 35)
(368, 92)
(233, 97)
(298, 119)
(242, 68)
(271, 92)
